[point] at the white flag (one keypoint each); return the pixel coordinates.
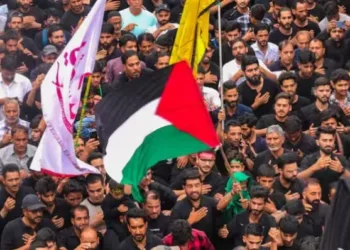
(60, 98)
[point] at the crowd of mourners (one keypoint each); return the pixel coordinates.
(284, 127)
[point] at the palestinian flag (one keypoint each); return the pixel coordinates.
(153, 118)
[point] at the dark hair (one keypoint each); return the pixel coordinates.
(321, 81)
(283, 9)
(14, 14)
(93, 178)
(46, 234)
(11, 35)
(52, 12)
(34, 124)
(94, 156)
(284, 44)
(161, 54)
(294, 207)
(98, 68)
(261, 27)
(152, 195)
(296, 2)
(9, 63)
(258, 191)
(347, 66)
(266, 170)
(287, 158)
(201, 70)
(115, 185)
(238, 40)
(9, 168)
(339, 75)
(127, 38)
(253, 229)
(231, 123)
(72, 186)
(309, 243)
(310, 182)
(127, 55)
(249, 119)
(136, 213)
(258, 11)
(282, 3)
(325, 130)
(19, 128)
(181, 231)
(37, 244)
(235, 155)
(327, 114)
(316, 40)
(248, 60)
(78, 208)
(228, 85)
(333, 185)
(107, 28)
(292, 124)
(283, 95)
(148, 37)
(233, 25)
(289, 224)
(288, 75)
(54, 28)
(45, 184)
(306, 56)
(191, 174)
(223, 24)
(331, 9)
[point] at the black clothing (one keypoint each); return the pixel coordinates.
(317, 12)
(265, 157)
(123, 79)
(338, 51)
(301, 102)
(297, 186)
(38, 14)
(110, 206)
(310, 26)
(278, 66)
(305, 86)
(61, 210)
(267, 120)
(306, 144)
(276, 36)
(151, 241)
(70, 19)
(160, 226)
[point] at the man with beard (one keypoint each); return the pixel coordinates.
(199, 210)
(11, 111)
(139, 237)
(233, 69)
(306, 75)
(316, 11)
(276, 6)
(287, 181)
(324, 165)
(284, 30)
(19, 233)
(33, 18)
(163, 25)
(212, 71)
(340, 81)
(296, 140)
(157, 222)
(310, 115)
(145, 42)
(75, 15)
(274, 140)
(264, 50)
(57, 210)
(107, 48)
(56, 36)
(256, 92)
(282, 109)
(301, 22)
(241, 8)
(315, 210)
(254, 214)
(115, 19)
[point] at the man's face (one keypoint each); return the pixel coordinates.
(288, 239)
(276, 9)
(80, 220)
(317, 48)
(162, 62)
(301, 12)
(239, 50)
(246, 131)
(152, 208)
(205, 162)
(146, 47)
(135, 4)
(91, 238)
(231, 97)
(20, 142)
(294, 137)
(337, 34)
(11, 46)
(74, 198)
(130, 45)
(34, 216)
(52, 20)
(208, 55)
(341, 88)
(96, 79)
(326, 143)
(242, 3)
(332, 122)
(98, 163)
(287, 54)
(323, 93)
(234, 135)
(76, 6)
(132, 67)
(282, 108)
(232, 35)
(252, 74)
(252, 242)
(106, 40)
(35, 134)
(193, 189)
(256, 206)
(12, 181)
(116, 21)
(95, 192)
(286, 20)
(274, 141)
(312, 194)
(11, 112)
(163, 17)
(58, 39)
(200, 78)
(137, 228)
(289, 86)
(48, 198)
(16, 23)
(51, 58)
(25, 4)
(262, 37)
(289, 172)
(266, 182)
(303, 41)
(306, 69)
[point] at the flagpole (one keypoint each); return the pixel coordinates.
(82, 114)
(220, 62)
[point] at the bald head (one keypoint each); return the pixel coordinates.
(303, 38)
(89, 236)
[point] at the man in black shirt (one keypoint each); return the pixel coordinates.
(33, 18)
(89, 239)
(301, 21)
(284, 30)
(315, 10)
(256, 92)
(337, 47)
(139, 238)
(74, 15)
(241, 8)
(277, 5)
(287, 55)
(107, 48)
(289, 231)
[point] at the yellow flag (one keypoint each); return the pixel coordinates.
(193, 33)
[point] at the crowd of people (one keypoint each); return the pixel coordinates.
(284, 127)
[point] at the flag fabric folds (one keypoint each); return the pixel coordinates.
(156, 117)
(61, 92)
(193, 33)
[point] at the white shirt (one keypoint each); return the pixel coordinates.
(154, 28)
(232, 67)
(324, 23)
(211, 98)
(271, 55)
(4, 128)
